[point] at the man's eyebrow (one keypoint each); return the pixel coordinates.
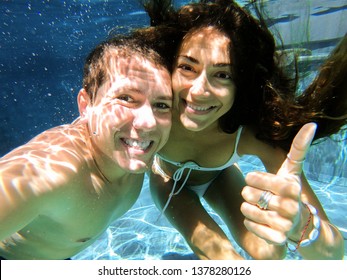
(139, 91)
(128, 89)
(164, 97)
(194, 60)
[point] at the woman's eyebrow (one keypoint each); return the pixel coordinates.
(194, 60)
(222, 64)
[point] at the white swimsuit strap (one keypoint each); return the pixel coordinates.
(177, 176)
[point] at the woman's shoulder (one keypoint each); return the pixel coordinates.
(250, 144)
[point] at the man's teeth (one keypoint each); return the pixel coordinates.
(199, 108)
(143, 145)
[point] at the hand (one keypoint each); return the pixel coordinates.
(282, 217)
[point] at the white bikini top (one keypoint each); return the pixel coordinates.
(194, 166)
(190, 165)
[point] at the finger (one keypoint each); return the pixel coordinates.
(299, 148)
(286, 207)
(254, 195)
(266, 217)
(267, 233)
(278, 185)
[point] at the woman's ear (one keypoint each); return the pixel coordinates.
(83, 101)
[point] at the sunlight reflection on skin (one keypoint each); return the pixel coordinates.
(211, 241)
(107, 110)
(61, 190)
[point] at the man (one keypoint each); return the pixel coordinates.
(61, 190)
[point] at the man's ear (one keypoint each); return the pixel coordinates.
(83, 101)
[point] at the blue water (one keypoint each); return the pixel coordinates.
(42, 49)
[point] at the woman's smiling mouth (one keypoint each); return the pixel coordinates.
(198, 109)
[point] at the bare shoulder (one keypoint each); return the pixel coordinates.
(58, 138)
(56, 151)
(36, 174)
(271, 156)
(249, 144)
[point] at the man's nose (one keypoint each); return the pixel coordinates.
(144, 118)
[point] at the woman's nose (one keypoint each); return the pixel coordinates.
(200, 85)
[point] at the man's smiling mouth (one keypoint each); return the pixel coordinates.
(137, 144)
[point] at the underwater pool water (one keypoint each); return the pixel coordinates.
(142, 234)
(43, 45)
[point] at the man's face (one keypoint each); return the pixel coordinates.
(130, 118)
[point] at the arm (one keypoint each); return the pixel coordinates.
(224, 196)
(20, 197)
(29, 175)
(287, 216)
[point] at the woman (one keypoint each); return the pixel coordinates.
(232, 99)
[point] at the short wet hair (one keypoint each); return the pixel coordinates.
(97, 65)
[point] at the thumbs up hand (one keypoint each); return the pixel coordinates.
(273, 209)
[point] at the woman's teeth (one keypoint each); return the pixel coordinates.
(199, 108)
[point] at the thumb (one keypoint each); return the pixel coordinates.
(298, 150)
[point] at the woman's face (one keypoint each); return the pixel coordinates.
(202, 79)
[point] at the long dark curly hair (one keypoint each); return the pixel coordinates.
(265, 95)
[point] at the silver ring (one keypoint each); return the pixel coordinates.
(264, 200)
(295, 161)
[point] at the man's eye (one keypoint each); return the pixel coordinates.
(126, 98)
(162, 106)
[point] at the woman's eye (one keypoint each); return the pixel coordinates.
(224, 76)
(185, 67)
